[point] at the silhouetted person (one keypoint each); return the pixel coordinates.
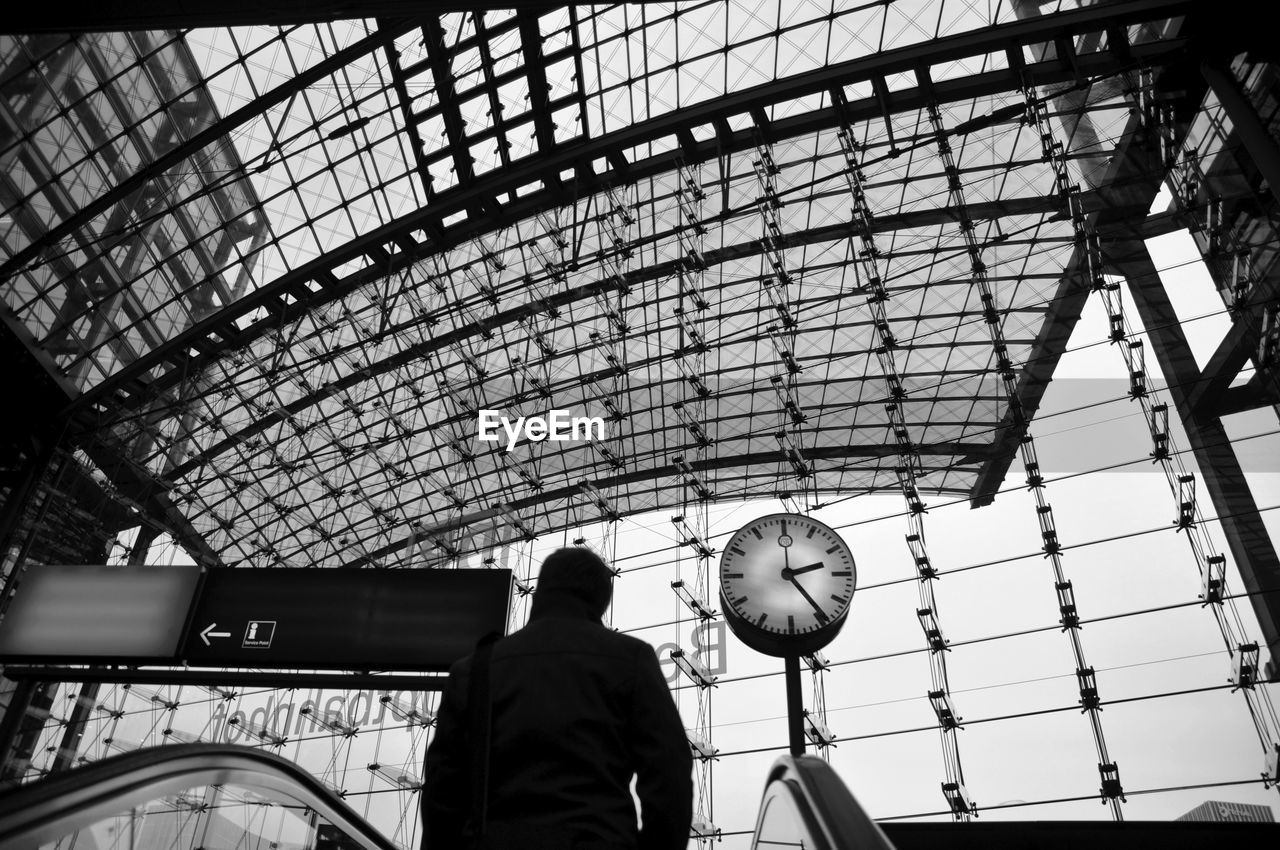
(577, 711)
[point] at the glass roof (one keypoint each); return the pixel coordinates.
(287, 267)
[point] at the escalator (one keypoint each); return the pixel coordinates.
(213, 796)
(209, 795)
(806, 805)
(218, 797)
(184, 796)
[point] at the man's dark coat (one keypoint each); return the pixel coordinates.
(578, 709)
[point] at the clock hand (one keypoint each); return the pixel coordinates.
(787, 572)
(822, 615)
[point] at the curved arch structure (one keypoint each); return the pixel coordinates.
(279, 296)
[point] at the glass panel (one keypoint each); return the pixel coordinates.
(213, 817)
(780, 823)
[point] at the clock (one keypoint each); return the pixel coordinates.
(786, 582)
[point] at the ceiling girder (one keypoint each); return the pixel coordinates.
(535, 64)
(1240, 341)
(454, 124)
(497, 119)
(132, 15)
(634, 278)
(1233, 352)
(215, 132)
(139, 486)
(578, 156)
(398, 80)
(1258, 392)
(1132, 181)
(43, 388)
(966, 453)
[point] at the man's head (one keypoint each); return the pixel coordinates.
(575, 574)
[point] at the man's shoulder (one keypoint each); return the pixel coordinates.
(630, 643)
(589, 637)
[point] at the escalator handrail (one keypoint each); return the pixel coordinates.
(49, 808)
(829, 812)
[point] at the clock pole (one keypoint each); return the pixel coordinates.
(786, 581)
(795, 705)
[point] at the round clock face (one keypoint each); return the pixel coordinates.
(786, 582)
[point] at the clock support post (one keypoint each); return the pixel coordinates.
(797, 575)
(795, 705)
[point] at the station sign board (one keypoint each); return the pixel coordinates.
(96, 612)
(289, 618)
(344, 619)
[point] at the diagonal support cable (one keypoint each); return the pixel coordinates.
(868, 265)
(1053, 153)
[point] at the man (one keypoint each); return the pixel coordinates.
(577, 710)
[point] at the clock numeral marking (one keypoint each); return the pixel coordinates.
(760, 620)
(842, 573)
(834, 549)
(791, 624)
(837, 597)
(757, 533)
(812, 530)
(740, 600)
(822, 616)
(735, 550)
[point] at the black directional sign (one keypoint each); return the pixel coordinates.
(406, 620)
(387, 620)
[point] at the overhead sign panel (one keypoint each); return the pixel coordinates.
(88, 612)
(344, 619)
(397, 620)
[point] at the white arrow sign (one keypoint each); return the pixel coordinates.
(210, 633)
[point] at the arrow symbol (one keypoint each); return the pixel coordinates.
(210, 633)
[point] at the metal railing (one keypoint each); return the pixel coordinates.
(805, 804)
(50, 808)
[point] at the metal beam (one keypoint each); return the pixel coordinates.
(1247, 536)
(226, 678)
(268, 420)
(580, 154)
(535, 65)
(443, 340)
(1237, 346)
(134, 15)
(406, 112)
(49, 390)
(1241, 340)
(1164, 223)
(454, 125)
(1060, 320)
(215, 132)
(1128, 183)
(1248, 126)
(966, 453)
(141, 488)
(1126, 191)
(1259, 392)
